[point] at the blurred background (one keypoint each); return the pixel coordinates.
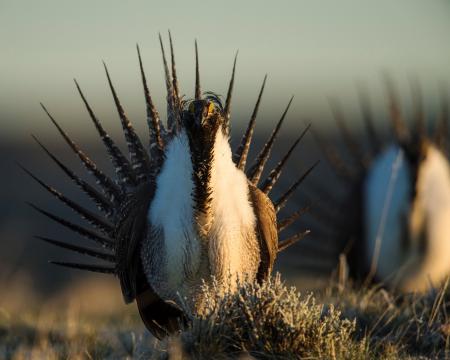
(313, 50)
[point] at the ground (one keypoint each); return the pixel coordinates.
(268, 321)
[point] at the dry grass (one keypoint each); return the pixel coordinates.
(271, 320)
(267, 321)
(405, 325)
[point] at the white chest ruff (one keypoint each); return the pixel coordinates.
(228, 248)
(232, 242)
(387, 203)
(431, 216)
(171, 216)
(424, 257)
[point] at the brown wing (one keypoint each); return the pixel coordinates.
(160, 317)
(266, 228)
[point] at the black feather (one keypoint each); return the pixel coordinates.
(284, 244)
(274, 175)
(121, 164)
(198, 90)
(256, 170)
(419, 116)
(87, 233)
(441, 132)
(333, 158)
(155, 126)
(227, 109)
(106, 184)
(240, 156)
(351, 144)
(398, 123)
(172, 120)
(368, 121)
(282, 200)
(289, 220)
(88, 267)
(102, 203)
(79, 249)
(138, 154)
(175, 87)
(86, 214)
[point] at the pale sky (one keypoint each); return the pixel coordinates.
(310, 49)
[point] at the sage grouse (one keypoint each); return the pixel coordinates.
(396, 228)
(181, 209)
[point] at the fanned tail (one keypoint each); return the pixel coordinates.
(327, 217)
(121, 222)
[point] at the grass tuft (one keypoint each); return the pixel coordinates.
(270, 320)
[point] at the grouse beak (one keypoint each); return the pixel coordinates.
(200, 112)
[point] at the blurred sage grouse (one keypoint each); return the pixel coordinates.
(182, 207)
(393, 221)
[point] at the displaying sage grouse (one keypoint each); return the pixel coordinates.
(182, 208)
(393, 221)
